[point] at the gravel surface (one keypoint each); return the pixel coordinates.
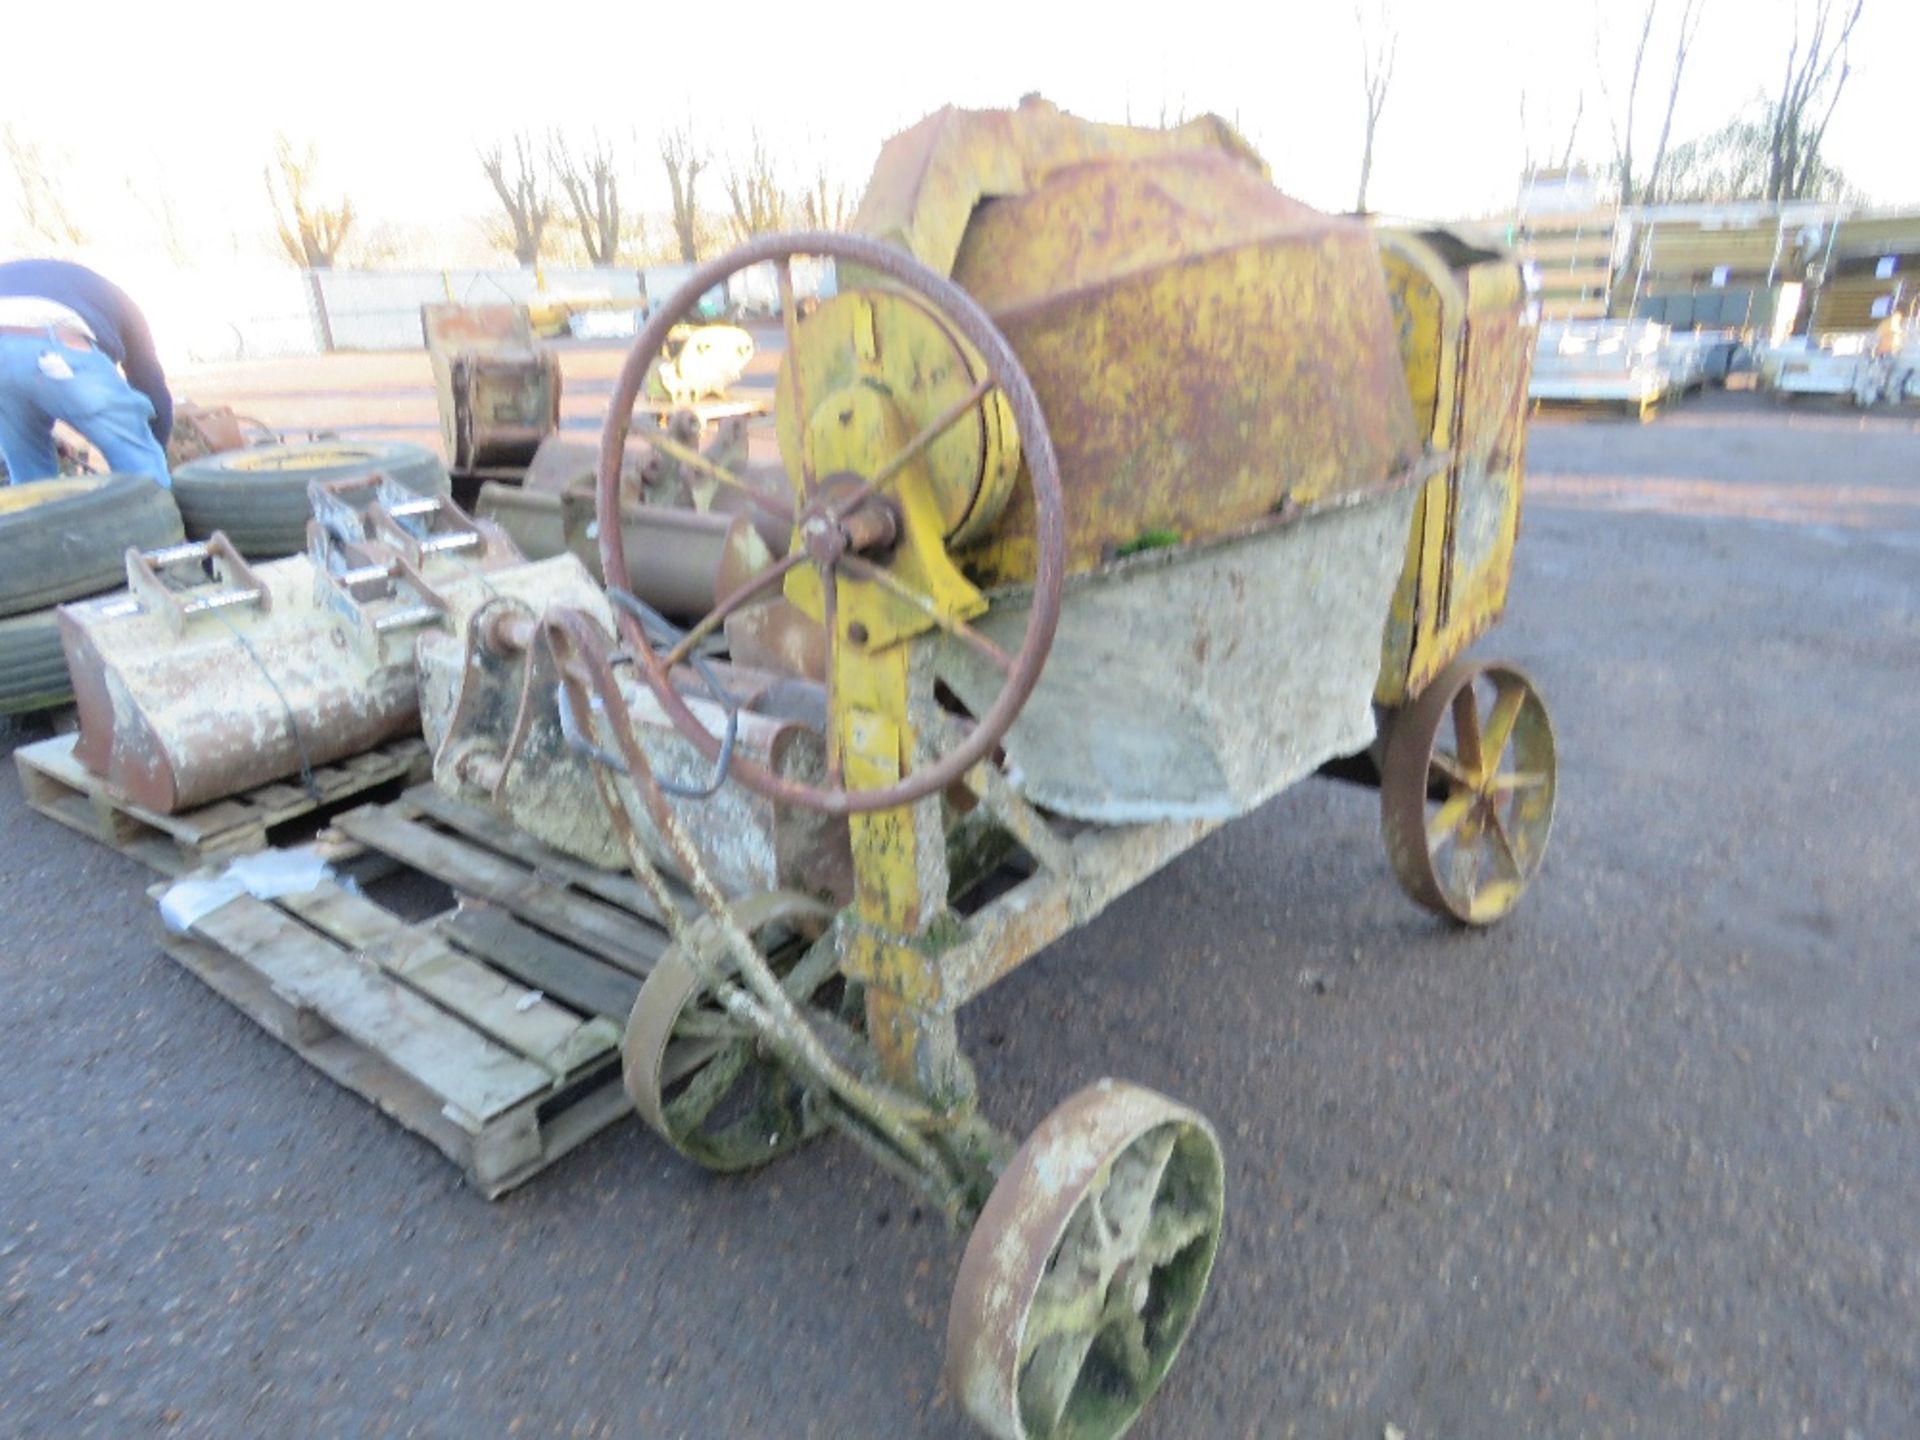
(1641, 1161)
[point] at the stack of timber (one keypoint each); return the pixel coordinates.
(1872, 270)
(491, 1027)
(1572, 257)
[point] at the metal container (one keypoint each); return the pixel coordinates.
(1210, 353)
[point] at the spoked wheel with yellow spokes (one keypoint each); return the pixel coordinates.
(1467, 790)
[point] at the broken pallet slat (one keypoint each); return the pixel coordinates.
(553, 967)
(496, 1155)
(497, 1005)
(436, 1020)
(477, 1078)
(594, 925)
(505, 1010)
(342, 1059)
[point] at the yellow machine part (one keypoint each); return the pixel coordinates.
(1467, 346)
(1209, 354)
(883, 340)
(931, 178)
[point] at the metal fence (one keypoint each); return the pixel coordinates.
(262, 312)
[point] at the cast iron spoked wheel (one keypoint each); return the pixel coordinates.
(844, 524)
(1086, 1268)
(696, 1077)
(1466, 794)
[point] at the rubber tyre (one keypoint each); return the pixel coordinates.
(63, 539)
(258, 496)
(33, 667)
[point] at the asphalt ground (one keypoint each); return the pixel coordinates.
(1641, 1161)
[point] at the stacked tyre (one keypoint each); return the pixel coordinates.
(64, 540)
(258, 496)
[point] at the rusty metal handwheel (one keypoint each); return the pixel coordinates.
(1087, 1266)
(698, 1080)
(1466, 792)
(836, 516)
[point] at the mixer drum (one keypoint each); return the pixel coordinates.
(1208, 353)
(1220, 372)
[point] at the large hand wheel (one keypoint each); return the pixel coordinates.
(1087, 1266)
(846, 524)
(1466, 792)
(699, 1080)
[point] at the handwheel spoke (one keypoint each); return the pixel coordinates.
(984, 371)
(916, 447)
(1450, 769)
(1449, 818)
(958, 629)
(718, 615)
(790, 367)
(694, 460)
(1509, 698)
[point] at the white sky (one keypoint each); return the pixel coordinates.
(185, 98)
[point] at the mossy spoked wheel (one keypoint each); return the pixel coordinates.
(1466, 793)
(1086, 1268)
(697, 1077)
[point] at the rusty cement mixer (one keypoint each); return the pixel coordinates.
(1121, 492)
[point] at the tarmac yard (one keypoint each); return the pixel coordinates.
(1642, 1160)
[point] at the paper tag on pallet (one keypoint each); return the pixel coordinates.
(267, 875)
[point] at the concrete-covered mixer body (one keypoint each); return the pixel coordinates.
(1219, 370)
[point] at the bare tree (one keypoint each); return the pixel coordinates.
(1546, 136)
(1809, 90)
(1689, 26)
(1378, 45)
(1623, 128)
(591, 184)
(1573, 131)
(311, 230)
(684, 161)
(525, 196)
(754, 193)
(1633, 186)
(42, 208)
(826, 205)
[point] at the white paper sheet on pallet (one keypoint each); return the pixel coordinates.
(266, 875)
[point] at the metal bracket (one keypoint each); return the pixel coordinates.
(182, 583)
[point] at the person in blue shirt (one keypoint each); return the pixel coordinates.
(66, 335)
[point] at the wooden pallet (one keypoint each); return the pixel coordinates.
(61, 788)
(490, 1029)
